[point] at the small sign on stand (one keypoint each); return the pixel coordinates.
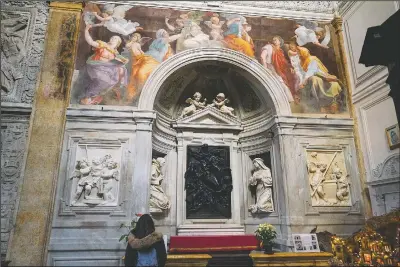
(305, 243)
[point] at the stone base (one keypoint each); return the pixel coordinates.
(210, 229)
(291, 259)
(189, 260)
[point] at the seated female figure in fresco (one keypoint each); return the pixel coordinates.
(273, 58)
(144, 63)
(105, 69)
(237, 38)
(320, 91)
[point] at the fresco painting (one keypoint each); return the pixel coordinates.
(121, 45)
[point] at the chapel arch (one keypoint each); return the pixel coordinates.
(268, 86)
(244, 136)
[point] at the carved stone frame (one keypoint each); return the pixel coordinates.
(120, 210)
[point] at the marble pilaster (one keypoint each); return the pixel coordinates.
(142, 170)
(47, 127)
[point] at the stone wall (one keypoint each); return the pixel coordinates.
(22, 35)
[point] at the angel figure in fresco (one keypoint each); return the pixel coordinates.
(144, 64)
(309, 32)
(216, 27)
(113, 18)
(320, 90)
(236, 37)
(195, 37)
(294, 57)
(182, 23)
(134, 45)
(273, 58)
(105, 69)
(195, 104)
(108, 174)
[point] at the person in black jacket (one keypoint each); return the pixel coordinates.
(145, 246)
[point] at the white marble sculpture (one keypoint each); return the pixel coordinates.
(332, 189)
(317, 177)
(262, 179)
(95, 181)
(195, 105)
(220, 103)
(158, 199)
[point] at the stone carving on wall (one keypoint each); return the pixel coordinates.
(159, 201)
(13, 29)
(390, 168)
(195, 104)
(262, 180)
(220, 103)
(23, 29)
(95, 181)
(208, 182)
(328, 178)
(13, 141)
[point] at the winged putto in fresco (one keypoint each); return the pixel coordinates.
(308, 32)
(113, 18)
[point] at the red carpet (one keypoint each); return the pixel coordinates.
(196, 244)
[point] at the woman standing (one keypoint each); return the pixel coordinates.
(145, 246)
(273, 57)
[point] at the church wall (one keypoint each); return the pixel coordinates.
(73, 234)
(374, 108)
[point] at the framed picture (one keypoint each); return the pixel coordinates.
(393, 136)
(305, 243)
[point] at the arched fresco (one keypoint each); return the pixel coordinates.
(121, 45)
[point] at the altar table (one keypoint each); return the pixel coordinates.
(208, 244)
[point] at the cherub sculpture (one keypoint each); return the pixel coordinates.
(219, 102)
(195, 105)
(108, 173)
(113, 18)
(342, 191)
(83, 173)
(309, 32)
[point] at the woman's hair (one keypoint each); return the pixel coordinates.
(144, 226)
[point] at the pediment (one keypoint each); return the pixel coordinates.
(209, 117)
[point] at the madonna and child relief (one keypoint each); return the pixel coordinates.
(121, 45)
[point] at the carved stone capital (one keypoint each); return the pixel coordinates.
(71, 6)
(337, 23)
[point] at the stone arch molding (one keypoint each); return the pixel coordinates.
(271, 86)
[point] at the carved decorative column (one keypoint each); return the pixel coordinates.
(337, 23)
(142, 164)
(29, 242)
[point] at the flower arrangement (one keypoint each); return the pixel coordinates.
(266, 233)
(129, 227)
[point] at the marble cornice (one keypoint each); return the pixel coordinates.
(313, 10)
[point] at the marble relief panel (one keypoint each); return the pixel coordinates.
(328, 178)
(96, 177)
